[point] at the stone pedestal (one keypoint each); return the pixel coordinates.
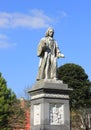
(50, 105)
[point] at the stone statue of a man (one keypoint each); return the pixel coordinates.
(48, 51)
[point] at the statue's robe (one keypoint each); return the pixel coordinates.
(48, 51)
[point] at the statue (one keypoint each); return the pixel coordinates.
(48, 51)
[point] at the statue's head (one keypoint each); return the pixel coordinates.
(49, 30)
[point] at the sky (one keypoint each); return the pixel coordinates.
(24, 22)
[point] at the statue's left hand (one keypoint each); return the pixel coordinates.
(60, 55)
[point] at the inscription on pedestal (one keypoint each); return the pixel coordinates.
(56, 113)
(37, 114)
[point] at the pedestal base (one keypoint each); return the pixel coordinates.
(50, 106)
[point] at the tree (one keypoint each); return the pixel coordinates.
(10, 110)
(7, 97)
(16, 119)
(76, 78)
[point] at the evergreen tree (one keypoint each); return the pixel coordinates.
(76, 78)
(7, 97)
(11, 112)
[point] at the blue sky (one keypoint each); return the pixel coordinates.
(24, 22)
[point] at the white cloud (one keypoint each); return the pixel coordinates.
(63, 14)
(35, 19)
(3, 36)
(5, 45)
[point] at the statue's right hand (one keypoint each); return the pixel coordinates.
(44, 46)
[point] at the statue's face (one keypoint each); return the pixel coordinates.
(51, 32)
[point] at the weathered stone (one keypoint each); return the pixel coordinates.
(50, 105)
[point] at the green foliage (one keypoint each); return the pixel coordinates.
(76, 78)
(6, 99)
(10, 109)
(17, 116)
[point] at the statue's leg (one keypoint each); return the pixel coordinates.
(53, 67)
(47, 69)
